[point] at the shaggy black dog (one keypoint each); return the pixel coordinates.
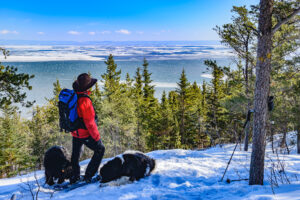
(135, 165)
(57, 165)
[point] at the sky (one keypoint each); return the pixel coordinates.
(114, 20)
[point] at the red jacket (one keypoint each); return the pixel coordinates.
(86, 111)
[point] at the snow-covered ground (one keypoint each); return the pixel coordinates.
(183, 174)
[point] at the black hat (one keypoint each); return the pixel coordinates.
(83, 82)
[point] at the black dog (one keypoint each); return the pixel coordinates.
(135, 165)
(57, 165)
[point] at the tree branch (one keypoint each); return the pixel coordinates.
(285, 20)
(255, 31)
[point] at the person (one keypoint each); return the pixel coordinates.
(88, 136)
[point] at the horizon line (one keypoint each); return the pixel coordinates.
(3, 40)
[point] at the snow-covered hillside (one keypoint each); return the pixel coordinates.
(181, 174)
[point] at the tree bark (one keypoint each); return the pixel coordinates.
(262, 86)
(247, 92)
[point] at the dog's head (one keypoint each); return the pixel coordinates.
(56, 162)
(111, 170)
(66, 170)
(152, 164)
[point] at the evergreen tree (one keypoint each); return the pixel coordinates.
(149, 107)
(111, 78)
(53, 102)
(96, 98)
(138, 97)
(165, 126)
(148, 89)
(41, 135)
(12, 85)
(14, 156)
(198, 137)
(215, 114)
(175, 138)
(183, 108)
(266, 30)
(117, 112)
(240, 35)
(138, 85)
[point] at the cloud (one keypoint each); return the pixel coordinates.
(92, 33)
(4, 32)
(40, 33)
(140, 32)
(74, 33)
(105, 32)
(123, 31)
(210, 76)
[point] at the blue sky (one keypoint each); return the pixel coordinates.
(114, 20)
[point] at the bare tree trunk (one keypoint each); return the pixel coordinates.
(262, 85)
(246, 140)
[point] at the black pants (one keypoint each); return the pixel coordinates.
(94, 163)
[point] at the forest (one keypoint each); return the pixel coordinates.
(191, 117)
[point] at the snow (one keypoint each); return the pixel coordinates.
(182, 174)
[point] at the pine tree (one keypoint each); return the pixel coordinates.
(111, 78)
(215, 114)
(149, 107)
(138, 85)
(148, 89)
(138, 97)
(266, 30)
(53, 102)
(14, 150)
(175, 139)
(198, 137)
(240, 35)
(96, 98)
(12, 85)
(183, 108)
(118, 117)
(165, 127)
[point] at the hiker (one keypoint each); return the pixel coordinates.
(89, 135)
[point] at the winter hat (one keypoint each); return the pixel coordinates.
(83, 82)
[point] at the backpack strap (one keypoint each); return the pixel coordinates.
(85, 95)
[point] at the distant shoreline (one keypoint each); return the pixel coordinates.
(45, 42)
(121, 51)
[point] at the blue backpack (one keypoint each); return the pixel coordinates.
(68, 117)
